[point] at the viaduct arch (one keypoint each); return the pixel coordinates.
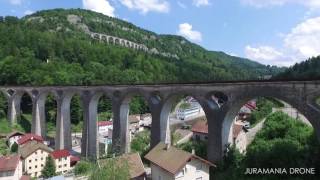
(220, 102)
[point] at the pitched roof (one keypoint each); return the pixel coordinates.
(9, 163)
(25, 177)
(60, 153)
(104, 123)
(15, 133)
(136, 167)
(29, 137)
(171, 159)
(134, 118)
(200, 127)
(31, 147)
(236, 130)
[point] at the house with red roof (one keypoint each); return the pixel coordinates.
(104, 127)
(10, 167)
(62, 159)
(200, 130)
(29, 137)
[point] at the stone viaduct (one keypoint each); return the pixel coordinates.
(220, 102)
(118, 41)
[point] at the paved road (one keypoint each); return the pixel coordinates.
(253, 131)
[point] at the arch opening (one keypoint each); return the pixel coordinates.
(104, 126)
(247, 117)
(135, 119)
(76, 118)
(50, 104)
(184, 124)
(24, 117)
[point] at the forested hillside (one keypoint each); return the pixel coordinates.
(309, 69)
(54, 47)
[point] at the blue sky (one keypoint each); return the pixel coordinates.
(276, 32)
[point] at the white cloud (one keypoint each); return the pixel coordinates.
(28, 12)
(266, 55)
(185, 29)
(101, 6)
(300, 44)
(312, 4)
(180, 4)
(199, 3)
(145, 6)
(304, 39)
(15, 2)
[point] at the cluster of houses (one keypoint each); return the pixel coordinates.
(166, 161)
(31, 157)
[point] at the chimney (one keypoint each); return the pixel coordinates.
(167, 146)
(193, 152)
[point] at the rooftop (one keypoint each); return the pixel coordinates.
(200, 126)
(15, 133)
(29, 137)
(171, 159)
(9, 163)
(57, 154)
(237, 128)
(31, 146)
(105, 123)
(136, 167)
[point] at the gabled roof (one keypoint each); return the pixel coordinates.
(200, 127)
(172, 159)
(132, 161)
(105, 123)
(29, 137)
(136, 167)
(9, 163)
(57, 154)
(237, 128)
(15, 133)
(134, 118)
(30, 147)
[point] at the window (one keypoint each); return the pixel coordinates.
(41, 152)
(65, 165)
(199, 178)
(35, 152)
(30, 167)
(41, 165)
(41, 158)
(30, 161)
(36, 159)
(35, 166)
(59, 166)
(59, 159)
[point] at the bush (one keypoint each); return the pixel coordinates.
(14, 148)
(83, 168)
(141, 142)
(111, 170)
